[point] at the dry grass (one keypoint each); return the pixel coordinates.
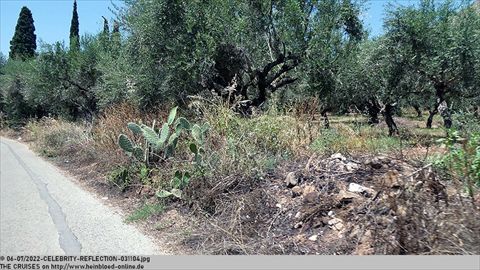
(57, 137)
(113, 122)
(231, 204)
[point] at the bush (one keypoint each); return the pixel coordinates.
(462, 160)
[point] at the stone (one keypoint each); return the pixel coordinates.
(338, 156)
(356, 188)
(313, 237)
(339, 226)
(298, 215)
(331, 213)
(296, 191)
(351, 166)
(336, 224)
(291, 180)
(308, 189)
(346, 197)
(298, 225)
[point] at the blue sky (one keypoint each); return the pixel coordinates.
(52, 17)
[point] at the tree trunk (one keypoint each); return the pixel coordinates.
(430, 117)
(433, 112)
(326, 122)
(373, 109)
(388, 114)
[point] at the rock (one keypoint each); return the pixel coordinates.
(296, 191)
(383, 159)
(308, 189)
(104, 198)
(331, 214)
(291, 180)
(354, 187)
(298, 215)
(338, 156)
(278, 205)
(334, 221)
(402, 211)
(313, 237)
(339, 226)
(351, 166)
(336, 224)
(298, 225)
(346, 197)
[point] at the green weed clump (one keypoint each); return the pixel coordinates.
(250, 146)
(341, 138)
(146, 211)
(462, 160)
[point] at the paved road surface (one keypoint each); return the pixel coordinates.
(43, 212)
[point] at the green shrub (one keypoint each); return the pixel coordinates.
(121, 177)
(160, 145)
(462, 160)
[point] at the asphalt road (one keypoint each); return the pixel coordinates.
(43, 212)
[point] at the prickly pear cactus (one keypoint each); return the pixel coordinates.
(125, 143)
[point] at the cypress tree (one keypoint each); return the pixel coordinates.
(105, 35)
(106, 29)
(116, 27)
(115, 38)
(24, 41)
(74, 29)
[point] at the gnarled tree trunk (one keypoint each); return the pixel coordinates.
(388, 115)
(326, 122)
(373, 109)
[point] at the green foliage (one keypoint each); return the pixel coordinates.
(125, 143)
(121, 177)
(24, 41)
(74, 29)
(161, 144)
(15, 86)
(462, 160)
(145, 212)
(342, 139)
(65, 83)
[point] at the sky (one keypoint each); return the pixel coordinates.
(52, 17)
